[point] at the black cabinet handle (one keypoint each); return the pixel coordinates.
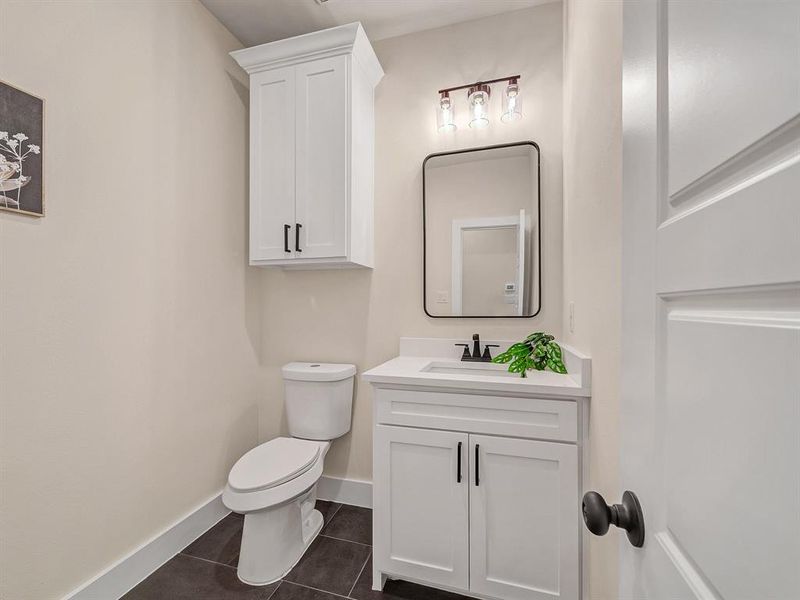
(297, 227)
(477, 464)
(286, 229)
(458, 472)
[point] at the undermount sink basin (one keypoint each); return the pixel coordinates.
(468, 368)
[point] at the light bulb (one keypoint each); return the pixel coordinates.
(478, 98)
(445, 114)
(512, 103)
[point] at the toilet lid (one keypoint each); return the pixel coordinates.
(273, 463)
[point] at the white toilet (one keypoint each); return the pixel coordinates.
(274, 485)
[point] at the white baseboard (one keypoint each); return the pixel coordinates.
(126, 573)
(346, 491)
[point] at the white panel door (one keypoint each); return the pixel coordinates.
(322, 158)
(710, 413)
(524, 520)
(272, 160)
(421, 505)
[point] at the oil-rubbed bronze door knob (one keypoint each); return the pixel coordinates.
(599, 516)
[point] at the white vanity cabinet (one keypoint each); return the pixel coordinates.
(491, 515)
(495, 516)
(312, 149)
(423, 504)
(477, 477)
(524, 521)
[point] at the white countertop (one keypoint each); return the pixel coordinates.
(417, 354)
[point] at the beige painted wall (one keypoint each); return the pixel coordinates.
(358, 316)
(129, 323)
(592, 241)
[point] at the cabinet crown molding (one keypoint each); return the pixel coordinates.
(345, 39)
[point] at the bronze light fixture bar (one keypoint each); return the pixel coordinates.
(478, 95)
(510, 79)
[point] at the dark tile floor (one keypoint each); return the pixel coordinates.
(337, 565)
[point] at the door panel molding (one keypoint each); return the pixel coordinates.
(732, 80)
(700, 587)
(772, 153)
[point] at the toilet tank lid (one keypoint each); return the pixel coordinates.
(308, 371)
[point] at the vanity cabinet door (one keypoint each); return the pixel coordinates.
(421, 509)
(524, 515)
(272, 182)
(322, 158)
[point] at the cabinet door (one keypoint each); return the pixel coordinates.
(420, 506)
(524, 514)
(322, 157)
(272, 159)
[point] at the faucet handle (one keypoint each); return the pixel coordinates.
(487, 355)
(464, 355)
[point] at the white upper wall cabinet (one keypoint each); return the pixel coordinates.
(312, 149)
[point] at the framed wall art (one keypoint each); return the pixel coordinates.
(21, 151)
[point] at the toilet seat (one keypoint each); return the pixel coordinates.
(272, 487)
(272, 464)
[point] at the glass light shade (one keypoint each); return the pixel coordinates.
(478, 106)
(512, 103)
(445, 114)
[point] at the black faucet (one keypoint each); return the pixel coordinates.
(476, 355)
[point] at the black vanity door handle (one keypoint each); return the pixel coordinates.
(458, 471)
(297, 227)
(286, 229)
(477, 464)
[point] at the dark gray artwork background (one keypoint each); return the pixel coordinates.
(21, 112)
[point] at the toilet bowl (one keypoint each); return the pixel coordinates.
(274, 484)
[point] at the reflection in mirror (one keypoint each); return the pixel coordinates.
(482, 250)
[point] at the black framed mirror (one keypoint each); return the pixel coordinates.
(482, 241)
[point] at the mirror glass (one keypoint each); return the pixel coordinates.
(482, 248)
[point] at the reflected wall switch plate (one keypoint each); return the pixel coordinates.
(441, 298)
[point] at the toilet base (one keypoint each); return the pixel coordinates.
(275, 539)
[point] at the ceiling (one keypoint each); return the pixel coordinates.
(258, 21)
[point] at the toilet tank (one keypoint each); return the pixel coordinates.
(318, 399)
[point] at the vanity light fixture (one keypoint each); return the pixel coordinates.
(478, 95)
(445, 113)
(512, 103)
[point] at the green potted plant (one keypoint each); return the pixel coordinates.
(537, 351)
